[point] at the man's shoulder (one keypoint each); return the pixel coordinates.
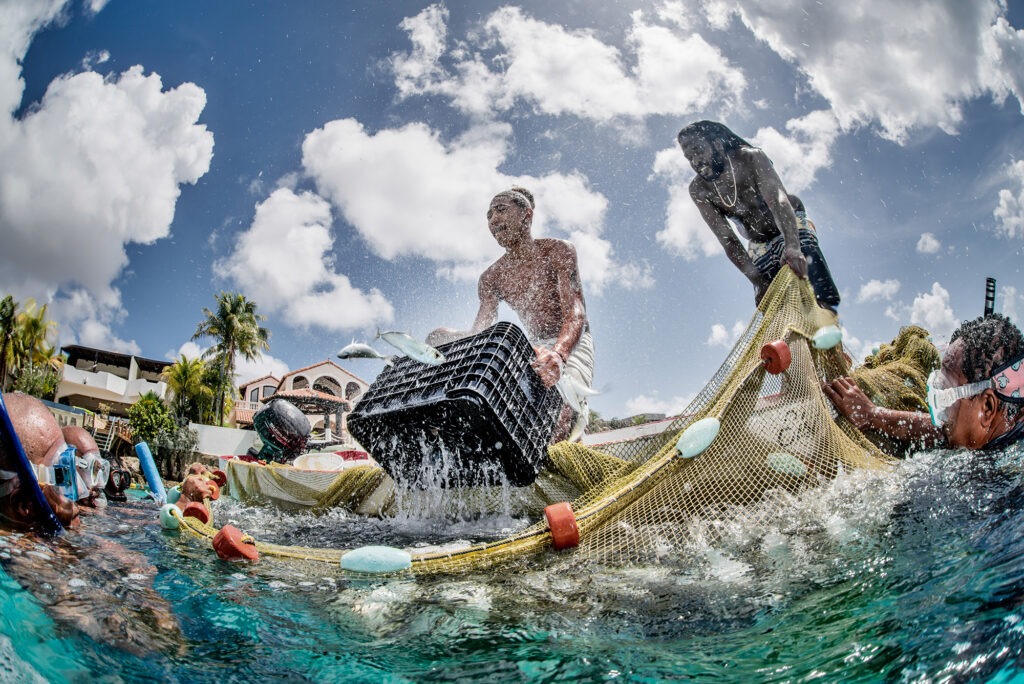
(699, 188)
(751, 159)
(555, 243)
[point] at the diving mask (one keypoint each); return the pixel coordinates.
(60, 475)
(93, 471)
(1007, 382)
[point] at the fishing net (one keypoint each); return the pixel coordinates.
(641, 501)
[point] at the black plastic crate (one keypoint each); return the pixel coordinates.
(481, 415)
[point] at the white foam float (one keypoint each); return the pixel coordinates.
(827, 337)
(376, 559)
(787, 464)
(698, 437)
(170, 517)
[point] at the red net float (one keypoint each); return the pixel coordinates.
(562, 523)
(215, 490)
(220, 477)
(776, 356)
(196, 510)
(231, 544)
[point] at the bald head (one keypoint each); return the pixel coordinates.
(80, 438)
(36, 427)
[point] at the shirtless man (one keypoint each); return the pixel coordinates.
(539, 279)
(737, 184)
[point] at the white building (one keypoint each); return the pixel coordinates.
(94, 376)
(325, 392)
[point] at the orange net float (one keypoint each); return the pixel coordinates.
(215, 490)
(562, 523)
(194, 509)
(219, 476)
(776, 356)
(231, 544)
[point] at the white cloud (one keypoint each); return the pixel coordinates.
(655, 404)
(558, 71)
(85, 321)
(1009, 304)
(899, 63)
(722, 337)
(932, 312)
(928, 244)
(95, 166)
(408, 193)
(857, 349)
(798, 158)
(1010, 212)
(685, 233)
(877, 290)
(285, 263)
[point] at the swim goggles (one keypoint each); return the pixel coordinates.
(60, 475)
(1007, 382)
(93, 471)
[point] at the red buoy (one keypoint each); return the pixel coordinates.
(229, 545)
(220, 477)
(196, 510)
(215, 493)
(776, 356)
(562, 523)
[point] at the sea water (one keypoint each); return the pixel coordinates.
(914, 575)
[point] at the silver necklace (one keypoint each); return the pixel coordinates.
(735, 190)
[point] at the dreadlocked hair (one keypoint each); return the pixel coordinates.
(989, 342)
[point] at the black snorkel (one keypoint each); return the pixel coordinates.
(26, 477)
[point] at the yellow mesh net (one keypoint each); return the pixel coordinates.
(638, 501)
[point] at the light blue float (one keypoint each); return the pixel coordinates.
(787, 464)
(376, 559)
(698, 437)
(827, 337)
(173, 494)
(170, 517)
(156, 485)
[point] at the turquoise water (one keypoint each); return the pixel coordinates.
(913, 576)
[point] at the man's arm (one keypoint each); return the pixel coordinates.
(570, 298)
(906, 426)
(487, 315)
(770, 187)
(722, 229)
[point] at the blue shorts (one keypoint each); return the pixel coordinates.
(767, 258)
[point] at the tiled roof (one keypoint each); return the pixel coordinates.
(243, 416)
(307, 393)
(320, 363)
(265, 377)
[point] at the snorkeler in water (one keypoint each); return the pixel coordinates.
(974, 399)
(736, 184)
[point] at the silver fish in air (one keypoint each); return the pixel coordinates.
(361, 350)
(411, 347)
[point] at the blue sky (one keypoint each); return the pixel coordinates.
(334, 162)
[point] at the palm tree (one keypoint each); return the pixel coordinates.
(191, 394)
(236, 327)
(32, 336)
(8, 319)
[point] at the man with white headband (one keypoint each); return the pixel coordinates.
(974, 400)
(540, 280)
